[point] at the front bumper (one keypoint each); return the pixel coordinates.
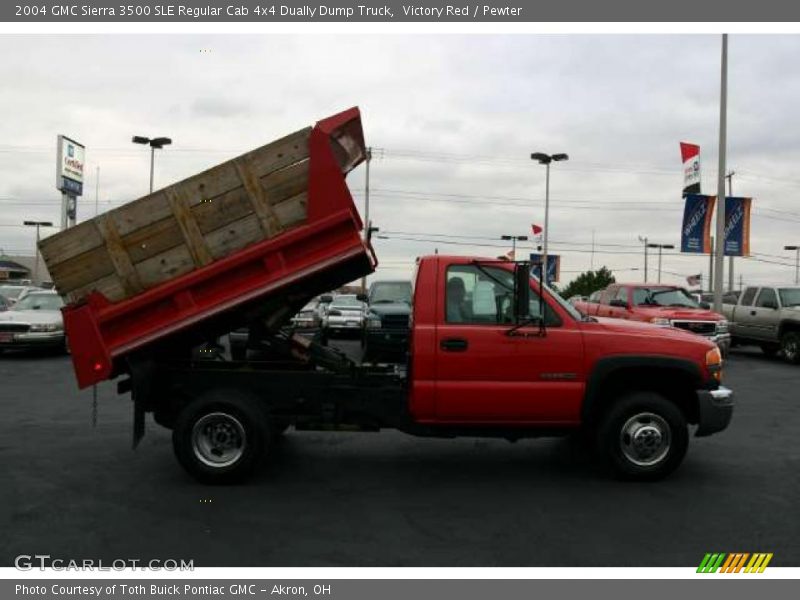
(352, 324)
(722, 340)
(715, 410)
(35, 339)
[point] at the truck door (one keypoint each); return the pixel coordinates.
(765, 315)
(743, 320)
(483, 374)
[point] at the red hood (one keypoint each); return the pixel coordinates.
(675, 312)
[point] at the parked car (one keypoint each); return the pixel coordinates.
(308, 317)
(344, 314)
(13, 293)
(385, 332)
(663, 305)
(577, 298)
(33, 322)
(769, 317)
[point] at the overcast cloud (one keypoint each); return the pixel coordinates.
(452, 119)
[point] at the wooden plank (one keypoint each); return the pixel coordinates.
(140, 213)
(154, 239)
(72, 242)
(82, 270)
(258, 197)
(293, 212)
(119, 257)
(235, 236)
(109, 286)
(165, 266)
(195, 242)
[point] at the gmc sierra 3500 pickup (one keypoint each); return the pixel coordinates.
(490, 353)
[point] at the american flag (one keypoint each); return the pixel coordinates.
(695, 279)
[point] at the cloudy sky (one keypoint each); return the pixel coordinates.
(452, 120)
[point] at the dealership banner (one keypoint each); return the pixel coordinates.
(690, 154)
(696, 230)
(737, 226)
(553, 267)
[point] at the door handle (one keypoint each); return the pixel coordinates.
(752, 313)
(454, 344)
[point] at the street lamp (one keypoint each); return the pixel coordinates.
(514, 239)
(36, 224)
(546, 159)
(660, 248)
(796, 262)
(154, 143)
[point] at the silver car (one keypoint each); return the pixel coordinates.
(345, 313)
(33, 322)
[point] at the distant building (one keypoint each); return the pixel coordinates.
(16, 268)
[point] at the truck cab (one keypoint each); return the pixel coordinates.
(769, 317)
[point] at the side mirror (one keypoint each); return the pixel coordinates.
(705, 305)
(618, 303)
(327, 299)
(522, 292)
(362, 298)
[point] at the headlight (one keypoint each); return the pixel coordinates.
(43, 327)
(373, 322)
(714, 363)
(722, 327)
(660, 321)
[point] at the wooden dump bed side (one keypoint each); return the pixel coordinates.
(248, 237)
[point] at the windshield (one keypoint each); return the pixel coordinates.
(346, 301)
(663, 296)
(789, 296)
(40, 302)
(11, 291)
(389, 292)
(573, 312)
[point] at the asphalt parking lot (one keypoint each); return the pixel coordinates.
(73, 491)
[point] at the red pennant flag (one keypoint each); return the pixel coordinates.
(536, 229)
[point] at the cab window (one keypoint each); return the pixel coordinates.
(485, 296)
(767, 297)
(748, 296)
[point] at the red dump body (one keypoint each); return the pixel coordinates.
(327, 248)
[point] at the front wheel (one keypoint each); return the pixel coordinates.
(643, 436)
(790, 347)
(221, 437)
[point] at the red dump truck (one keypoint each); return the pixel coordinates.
(490, 353)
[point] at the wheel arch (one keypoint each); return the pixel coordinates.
(675, 378)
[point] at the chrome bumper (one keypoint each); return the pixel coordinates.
(715, 410)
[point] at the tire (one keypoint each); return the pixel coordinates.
(769, 350)
(643, 437)
(790, 347)
(242, 437)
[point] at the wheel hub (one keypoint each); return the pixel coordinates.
(645, 439)
(218, 439)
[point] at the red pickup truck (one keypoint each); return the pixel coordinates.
(659, 304)
(487, 355)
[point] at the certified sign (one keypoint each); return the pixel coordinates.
(69, 166)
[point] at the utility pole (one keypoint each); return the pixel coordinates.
(644, 241)
(367, 224)
(36, 224)
(796, 262)
(729, 177)
(711, 266)
(591, 264)
(723, 114)
(660, 247)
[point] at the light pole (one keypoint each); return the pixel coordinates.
(546, 159)
(37, 224)
(796, 262)
(644, 241)
(154, 143)
(660, 248)
(514, 239)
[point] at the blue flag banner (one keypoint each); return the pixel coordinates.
(696, 230)
(553, 267)
(737, 226)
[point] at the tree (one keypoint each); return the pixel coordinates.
(588, 282)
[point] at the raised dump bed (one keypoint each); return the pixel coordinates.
(254, 236)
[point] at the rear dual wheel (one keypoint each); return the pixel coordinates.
(790, 347)
(221, 437)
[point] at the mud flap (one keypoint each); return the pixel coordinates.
(140, 383)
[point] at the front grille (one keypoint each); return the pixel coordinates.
(395, 321)
(14, 327)
(699, 327)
